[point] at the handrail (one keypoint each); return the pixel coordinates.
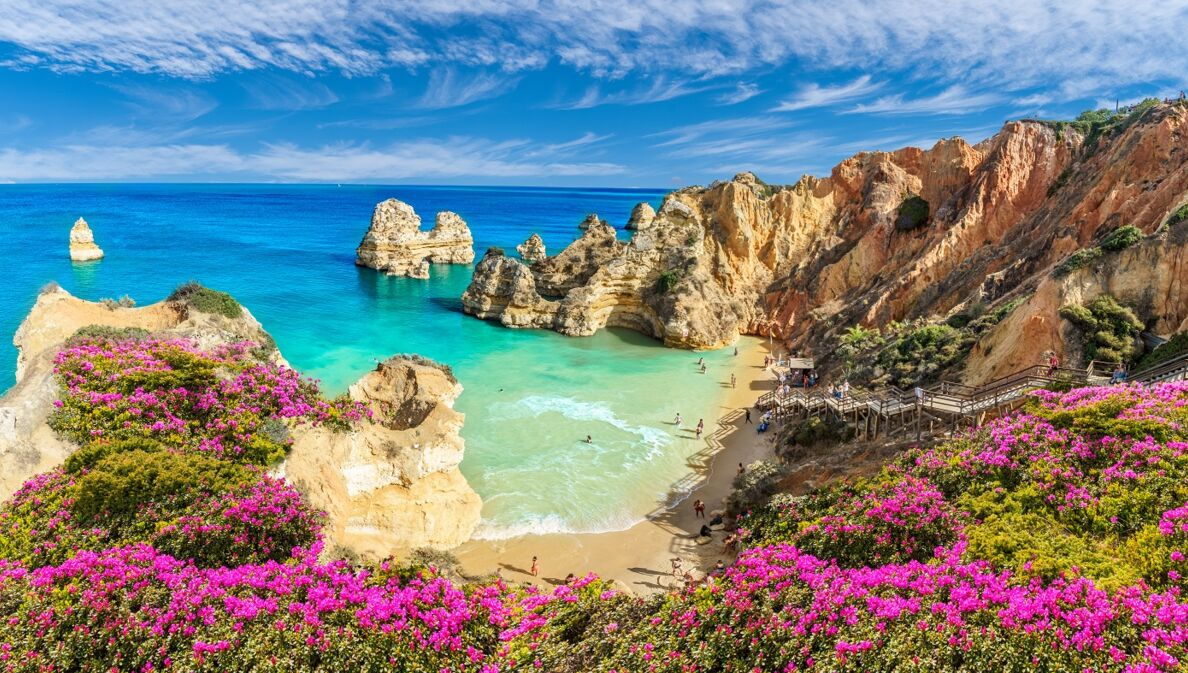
(1160, 368)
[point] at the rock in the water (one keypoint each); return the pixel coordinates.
(392, 485)
(396, 244)
(82, 243)
(591, 220)
(532, 250)
(641, 216)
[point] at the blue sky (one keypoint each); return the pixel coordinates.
(635, 93)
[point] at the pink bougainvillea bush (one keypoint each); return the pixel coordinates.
(1050, 540)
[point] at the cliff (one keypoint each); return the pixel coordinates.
(888, 236)
(394, 486)
(396, 244)
(82, 243)
(388, 486)
(532, 250)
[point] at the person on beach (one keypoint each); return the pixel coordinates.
(589, 439)
(702, 367)
(535, 569)
(701, 362)
(700, 427)
(678, 420)
(736, 351)
(748, 415)
(569, 578)
(699, 509)
(705, 531)
(741, 470)
(732, 380)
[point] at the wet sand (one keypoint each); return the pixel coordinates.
(640, 557)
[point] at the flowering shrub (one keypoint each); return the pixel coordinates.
(1053, 539)
(215, 401)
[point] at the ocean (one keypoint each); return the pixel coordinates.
(286, 252)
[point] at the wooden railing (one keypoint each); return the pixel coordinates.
(949, 404)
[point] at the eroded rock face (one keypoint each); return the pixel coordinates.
(388, 486)
(1003, 213)
(396, 244)
(82, 243)
(394, 485)
(806, 260)
(592, 220)
(660, 283)
(532, 250)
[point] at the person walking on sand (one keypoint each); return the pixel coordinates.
(678, 420)
(699, 509)
(732, 380)
(700, 427)
(535, 569)
(748, 415)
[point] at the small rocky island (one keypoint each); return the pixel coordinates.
(396, 244)
(82, 243)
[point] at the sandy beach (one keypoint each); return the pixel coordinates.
(639, 557)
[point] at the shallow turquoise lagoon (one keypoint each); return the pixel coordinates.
(287, 253)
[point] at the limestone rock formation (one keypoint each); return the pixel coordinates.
(388, 486)
(806, 261)
(396, 244)
(642, 216)
(532, 250)
(82, 243)
(394, 485)
(591, 220)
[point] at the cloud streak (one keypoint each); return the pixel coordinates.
(450, 158)
(814, 95)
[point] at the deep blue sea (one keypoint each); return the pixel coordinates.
(287, 253)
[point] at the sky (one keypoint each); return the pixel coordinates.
(615, 93)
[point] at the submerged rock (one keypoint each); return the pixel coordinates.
(82, 243)
(532, 250)
(396, 244)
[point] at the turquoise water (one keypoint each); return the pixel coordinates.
(287, 253)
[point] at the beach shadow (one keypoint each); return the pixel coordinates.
(646, 571)
(511, 568)
(555, 581)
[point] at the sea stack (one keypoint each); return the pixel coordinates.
(591, 220)
(641, 216)
(396, 244)
(532, 250)
(82, 243)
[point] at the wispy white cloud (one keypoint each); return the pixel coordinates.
(448, 158)
(770, 145)
(282, 92)
(449, 88)
(176, 103)
(743, 91)
(583, 142)
(955, 99)
(814, 95)
(659, 90)
(1013, 45)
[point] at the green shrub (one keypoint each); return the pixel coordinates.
(668, 280)
(753, 487)
(1180, 215)
(919, 354)
(122, 483)
(206, 300)
(816, 431)
(1078, 260)
(913, 213)
(1107, 328)
(496, 251)
(1173, 347)
(1121, 238)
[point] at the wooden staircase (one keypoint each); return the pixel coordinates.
(946, 407)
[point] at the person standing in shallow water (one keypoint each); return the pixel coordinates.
(678, 421)
(535, 569)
